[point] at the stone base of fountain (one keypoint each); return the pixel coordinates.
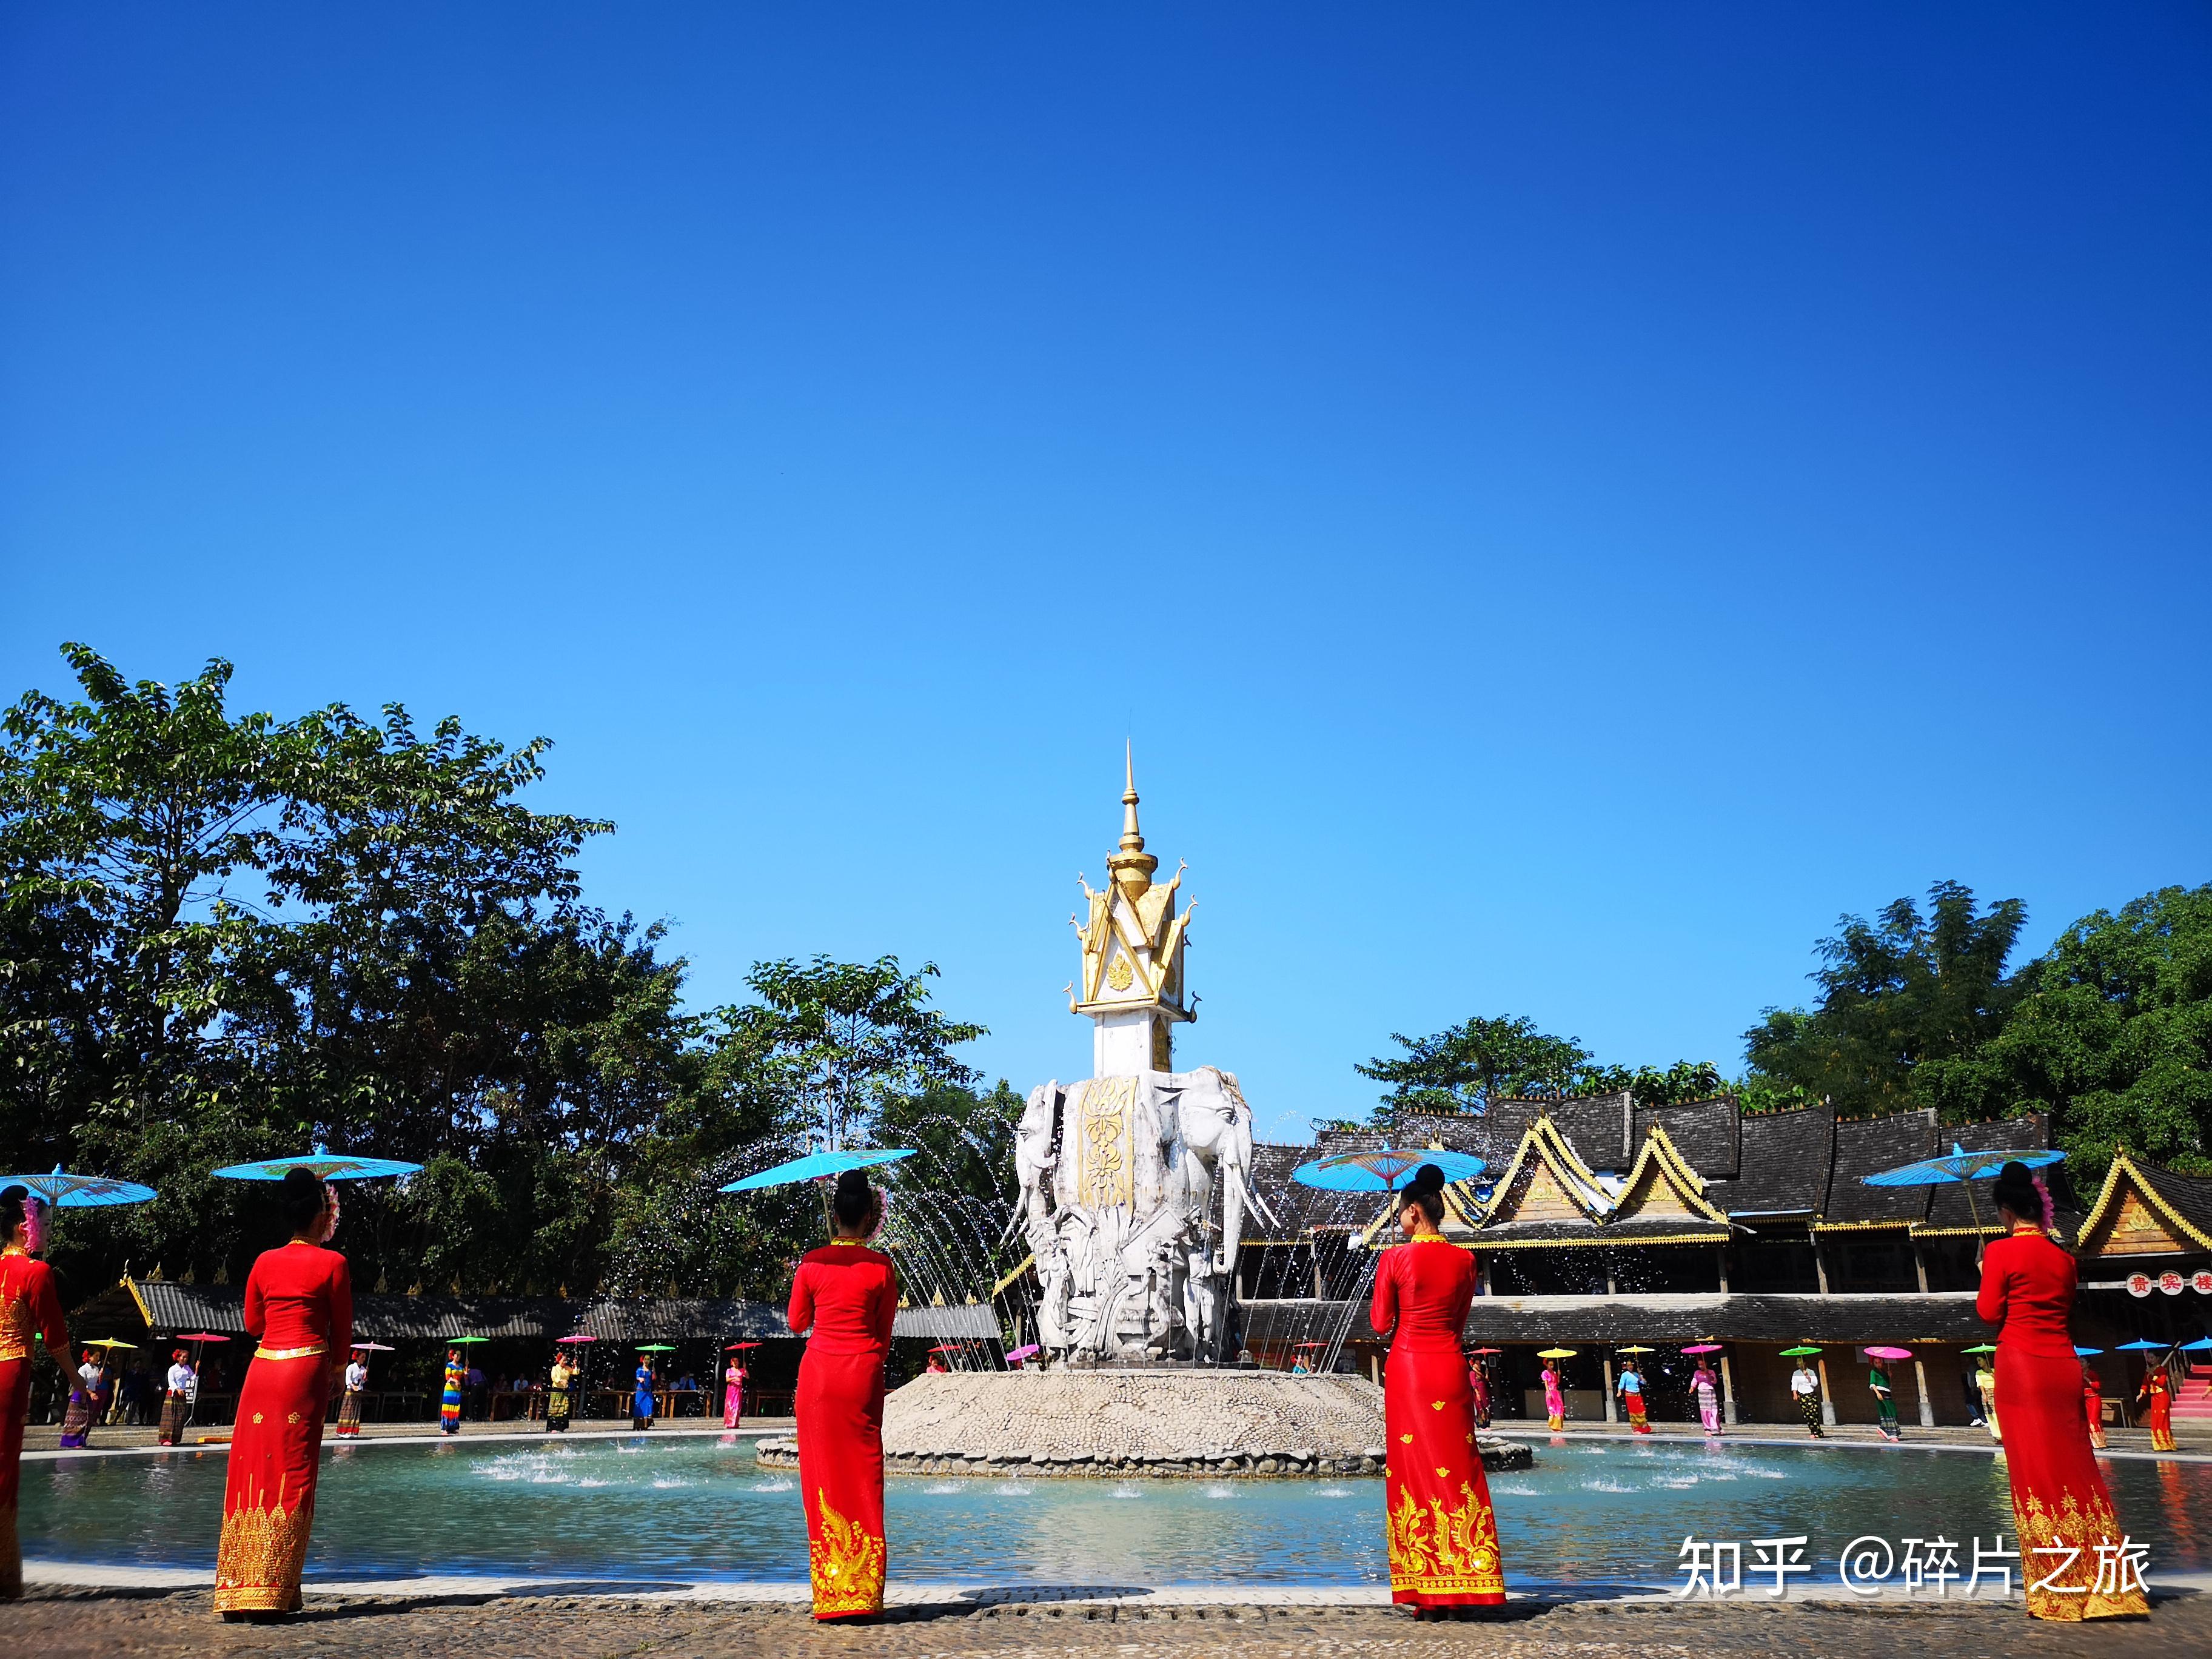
(1117, 1424)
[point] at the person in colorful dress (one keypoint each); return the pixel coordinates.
(356, 1381)
(1477, 1384)
(1805, 1390)
(30, 1317)
(2157, 1395)
(2092, 1404)
(1442, 1534)
(1555, 1399)
(1707, 1389)
(176, 1399)
(76, 1417)
(640, 1398)
(844, 1299)
(1885, 1402)
(1985, 1384)
(564, 1377)
(733, 1393)
(2059, 1502)
(449, 1398)
(1630, 1387)
(299, 1310)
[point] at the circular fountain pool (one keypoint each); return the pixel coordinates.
(669, 1509)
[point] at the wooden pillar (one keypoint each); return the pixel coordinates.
(1612, 1405)
(1313, 1248)
(1374, 1368)
(1920, 1376)
(1919, 1262)
(1820, 1262)
(1827, 1396)
(1728, 1392)
(1722, 1252)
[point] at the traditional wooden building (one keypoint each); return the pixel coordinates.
(1603, 1222)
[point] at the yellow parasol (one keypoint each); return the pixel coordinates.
(1555, 1353)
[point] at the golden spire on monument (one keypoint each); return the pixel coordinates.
(1133, 942)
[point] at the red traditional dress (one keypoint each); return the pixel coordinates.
(2092, 1407)
(2157, 1392)
(2059, 1503)
(1443, 1535)
(846, 1295)
(299, 1308)
(30, 1313)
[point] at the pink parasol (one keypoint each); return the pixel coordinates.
(1022, 1352)
(201, 1336)
(374, 1347)
(1891, 1354)
(561, 1341)
(1703, 1347)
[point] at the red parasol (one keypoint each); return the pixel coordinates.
(1476, 1351)
(734, 1346)
(946, 1350)
(200, 1336)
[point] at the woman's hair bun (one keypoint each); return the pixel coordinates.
(1426, 1179)
(299, 1198)
(855, 1197)
(2016, 1190)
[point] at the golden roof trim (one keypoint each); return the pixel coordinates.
(2151, 1197)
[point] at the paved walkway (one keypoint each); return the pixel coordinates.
(431, 1622)
(2124, 1443)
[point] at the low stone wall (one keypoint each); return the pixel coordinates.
(1122, 1423)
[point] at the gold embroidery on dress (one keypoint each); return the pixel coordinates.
(16, 1333)
(258, 1561)
(845, 1563)
(1444, 1551)
(2074, 1593)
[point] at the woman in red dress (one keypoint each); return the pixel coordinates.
(298, 1310)
(1442, 1533)
(844, 1298)
(30, 1313)
(2157, 1393)
(2059, 1503)
(2093, 1405)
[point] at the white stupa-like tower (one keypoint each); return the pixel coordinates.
(1132, 987)
(1135, 1180)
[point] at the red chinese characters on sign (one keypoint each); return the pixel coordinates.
(2201, 1281)
(2171, 1282)
(2138, 1283)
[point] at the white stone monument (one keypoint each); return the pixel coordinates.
(1134, 1181)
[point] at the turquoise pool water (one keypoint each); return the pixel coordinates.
(645, 1510)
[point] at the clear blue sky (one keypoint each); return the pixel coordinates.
(1566, 500)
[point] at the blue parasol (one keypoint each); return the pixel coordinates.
(817, 1164)
(1959, 1165)
(2085, 1352)
(2202, 1345)
(77, 1192)
(331, 1166)
(2142, 1344)
(1382, 1170)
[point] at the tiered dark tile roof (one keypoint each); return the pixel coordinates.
(1864, 1145)
(1783, 1166)
(1707, 1133)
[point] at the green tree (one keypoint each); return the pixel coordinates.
(1907, 1005)
(2111, 1035)
(1464, 1067)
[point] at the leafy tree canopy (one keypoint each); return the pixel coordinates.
(1907, 1005)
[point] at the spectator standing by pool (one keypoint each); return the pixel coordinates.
(299, 1310)
(2059, 1502)
(176, 1399)
(1805, 1390)
(844, 1299)
(30, 1314)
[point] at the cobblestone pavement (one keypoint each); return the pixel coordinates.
(58, 1622)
